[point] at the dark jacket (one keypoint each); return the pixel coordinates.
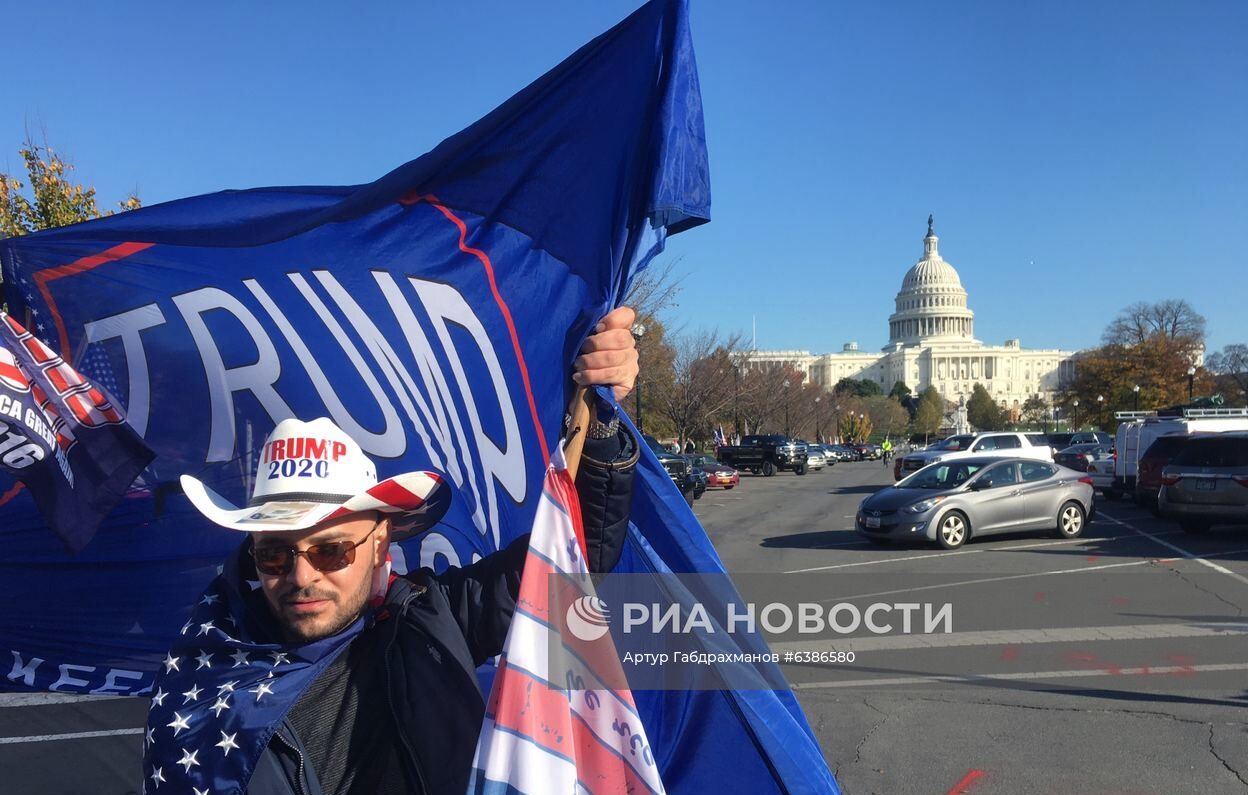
(435, 630)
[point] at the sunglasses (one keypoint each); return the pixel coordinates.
(330, 556)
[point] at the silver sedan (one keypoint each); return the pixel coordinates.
(951, 501)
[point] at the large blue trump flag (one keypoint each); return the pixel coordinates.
(433, 315)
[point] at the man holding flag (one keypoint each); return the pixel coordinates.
(328, 673)
(433, 315)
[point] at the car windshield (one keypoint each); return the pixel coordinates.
(653, 444)
(941, 476)
(954, 443)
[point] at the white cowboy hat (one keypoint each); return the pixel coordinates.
(311, 472)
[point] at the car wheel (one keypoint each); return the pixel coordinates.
(769, 469)
(800, 469)
(689, 497)
(1070, 520)
(953, 530)
(1194, 528)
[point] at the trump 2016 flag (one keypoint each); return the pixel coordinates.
(62, 437)
(432, 314)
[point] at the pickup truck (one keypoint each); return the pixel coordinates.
(765, 455)
(1002, 445)
(678, 468)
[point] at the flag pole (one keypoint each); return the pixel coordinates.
(579, 412)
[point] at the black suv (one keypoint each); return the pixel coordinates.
(678, 469)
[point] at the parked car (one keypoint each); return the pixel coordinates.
(1101, 472)
(868, 452)
(678, 468)
(1148, 469)
(700, 482)
(950, 502)
(815, 458)
(1078, 456)
(845, 452)
(1138, 430)
(766, 455)
(829, 455)
(718, 475)
(999, 445)
(1207, 482)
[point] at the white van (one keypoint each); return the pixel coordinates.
(1139, 429)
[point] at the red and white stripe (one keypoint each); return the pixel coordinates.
(541, 735)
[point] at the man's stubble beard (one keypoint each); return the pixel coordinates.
(341, 616)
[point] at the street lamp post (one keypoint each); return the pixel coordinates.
(736, 399)
(786, 407)
(1136, 390)
(639, 331)
(1074, 413)
(1191, 380)
(836, 432)
(818, 429)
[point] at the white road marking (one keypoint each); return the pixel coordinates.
(1011, 548)
(1003, 578)
(45, 699)
(1022, 637)
(45, 738)
(1025, 576)
(1171, 670)
(1182, 552)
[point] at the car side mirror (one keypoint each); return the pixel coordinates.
(977, 485)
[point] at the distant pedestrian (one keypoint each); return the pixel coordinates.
(690, 449)
(887, 447)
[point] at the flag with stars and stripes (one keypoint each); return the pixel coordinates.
(63, 437)
(560, 717)
(220, 694)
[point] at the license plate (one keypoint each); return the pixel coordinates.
(872, 521)
(1206, 485)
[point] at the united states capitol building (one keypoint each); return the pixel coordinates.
(931, 341)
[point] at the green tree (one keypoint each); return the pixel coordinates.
(983, 412)
(1035, 410)
(48, 198)
(899, 391)
(931, 412)
(853, 387)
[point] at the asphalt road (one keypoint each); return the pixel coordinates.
(1111, 664)
(1115, 663)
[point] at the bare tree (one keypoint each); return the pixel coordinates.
(654, 290)
(703, 382)
(1173, 319)
(1231, 367)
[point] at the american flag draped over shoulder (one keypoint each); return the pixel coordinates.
(220, 694)
(62, 437)
(560, 717)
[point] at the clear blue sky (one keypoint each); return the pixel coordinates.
(1107, 143)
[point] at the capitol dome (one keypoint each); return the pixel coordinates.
(932, 303)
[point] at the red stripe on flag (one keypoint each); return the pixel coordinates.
(484, 258)
(531, 709)
(79, 266)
